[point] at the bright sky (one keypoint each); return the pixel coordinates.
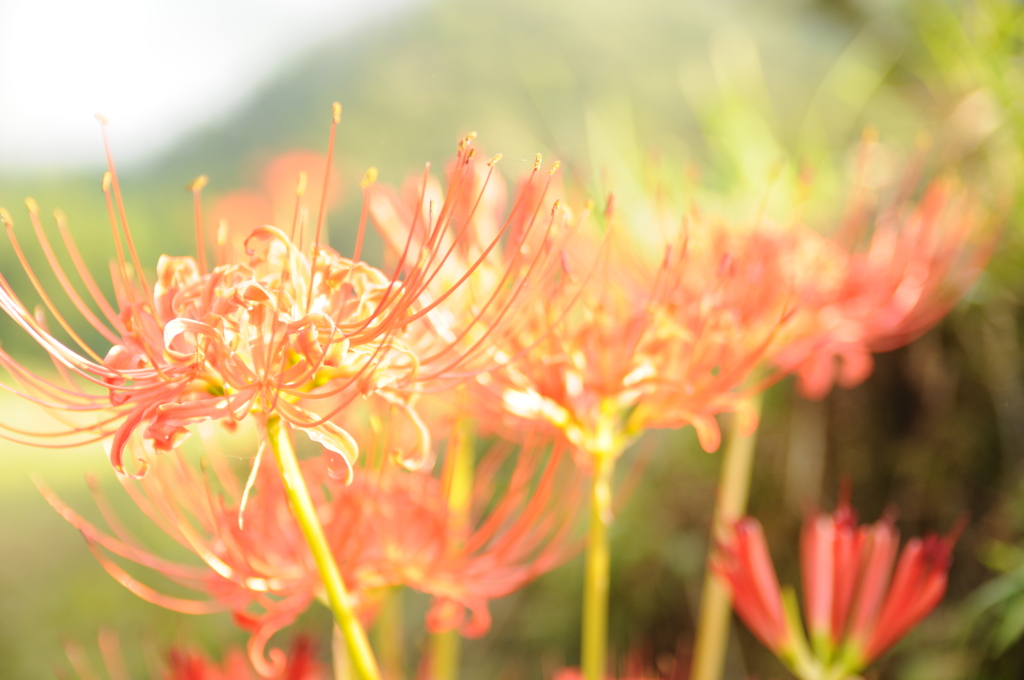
(155, 70)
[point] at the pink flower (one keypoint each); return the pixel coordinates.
(856, 606)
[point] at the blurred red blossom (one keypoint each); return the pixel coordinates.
(389, 526)
(856, 605)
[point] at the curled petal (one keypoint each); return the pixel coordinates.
(272, 663)
(337, 441)
(855, 367)
(708, 434)
(419, 455)
(120, 440)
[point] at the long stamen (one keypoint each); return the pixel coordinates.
(61, 275)
(335, 119)
(110, 179)
(33, 209)
(84, 274)
(196, 187)
(121, 211)
(300, 191)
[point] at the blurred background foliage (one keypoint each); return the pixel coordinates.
(733, 106)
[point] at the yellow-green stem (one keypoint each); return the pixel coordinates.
(444, 654)
(593, 655)
(445, 648)
(364, 666)
(340, 662)
(731, 503)
(388, 634)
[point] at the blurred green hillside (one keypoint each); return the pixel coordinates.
(747, 95)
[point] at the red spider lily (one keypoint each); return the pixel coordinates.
(283, 331)
(634, 667)
(186, 664)
(284, 176)
(616, 343)
(190, 665)
(575, 674)
(918, 262)
(389, 526)
(856, 605)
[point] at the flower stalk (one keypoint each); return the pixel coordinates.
(363, 663)
(597, 571)
(730, 504)
(445, 648)
(604, 448)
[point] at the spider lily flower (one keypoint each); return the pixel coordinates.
(575, 674)
(272, 328)
(855, 603)
(301, 664)
(187, 664)
(492, 266)
(858, 297)
(638, 666)
(615, 343)
(389, 526)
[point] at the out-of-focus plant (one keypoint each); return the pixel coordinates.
(190, 664)
(856, 606)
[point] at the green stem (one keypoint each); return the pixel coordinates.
(444, 654)
(340, 662)
(596, 575)
(388, 634)
(445, 648)
(360, 654)
(731, 503)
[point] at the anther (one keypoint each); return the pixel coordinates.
(536, 162)
(336, 112)
(300, 190)
(32, 206)
(554, 167)
(494, 160)
(197, 184)
(369, 178)
(102, 119)
(5, 217)
(554, 208)
(107, 178)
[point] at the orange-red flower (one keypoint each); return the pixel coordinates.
(190, 664)
(389, 526)
(288, 331)
(185, 664)
(857, 297)
(617, 341)
(856, 605)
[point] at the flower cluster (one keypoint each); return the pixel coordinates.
(619, 342)
(552, 328)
